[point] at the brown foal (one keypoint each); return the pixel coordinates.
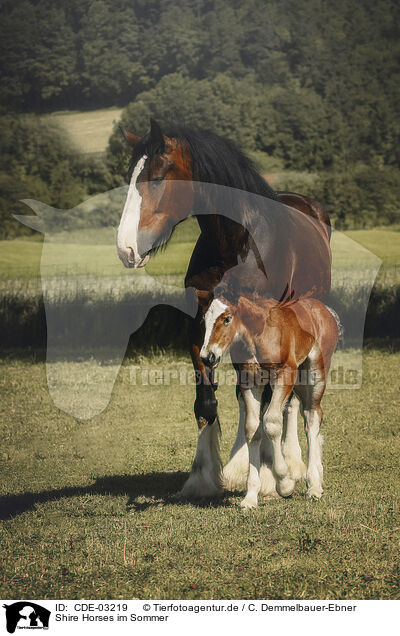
(291, 345)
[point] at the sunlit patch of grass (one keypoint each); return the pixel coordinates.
(87, 131)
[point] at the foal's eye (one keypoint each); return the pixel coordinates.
(227, 320)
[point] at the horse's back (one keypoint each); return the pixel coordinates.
(308, 206)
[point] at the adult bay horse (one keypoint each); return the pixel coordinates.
(282, 237)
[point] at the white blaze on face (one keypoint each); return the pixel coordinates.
(215, 310)
(128, 227)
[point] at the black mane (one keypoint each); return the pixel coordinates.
(215, 159)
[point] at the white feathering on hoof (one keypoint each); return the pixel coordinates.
(205, 479)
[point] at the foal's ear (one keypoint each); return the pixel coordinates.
(251, 316)
(128, 136)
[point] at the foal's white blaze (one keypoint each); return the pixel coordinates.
(128, 227)
(215, 310)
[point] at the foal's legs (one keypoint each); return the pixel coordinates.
(236, 470)
(272, 422)
(290, 442)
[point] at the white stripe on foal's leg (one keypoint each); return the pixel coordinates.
(290, 444)
(205, 479)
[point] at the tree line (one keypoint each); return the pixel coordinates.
(305, 86)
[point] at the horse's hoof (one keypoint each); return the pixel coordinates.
(297, 469)
(285, 486)
(199, 487)
(248, 502)
(268, 482)
(314, 494)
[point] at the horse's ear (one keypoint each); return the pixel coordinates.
(128, 136)
(43, 211)
(156, 134)
(34, 222)
(251, 316)
(204, 297)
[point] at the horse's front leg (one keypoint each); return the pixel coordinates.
(205, 478)
(273, 424)
(252, 401)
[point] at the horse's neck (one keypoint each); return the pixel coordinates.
(230, 237)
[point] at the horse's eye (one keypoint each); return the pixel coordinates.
(157, 181)
(227, 320)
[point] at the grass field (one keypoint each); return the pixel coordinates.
(87, 512)
(93, 252)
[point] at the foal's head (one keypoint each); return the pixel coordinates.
(160, 194)
(227, 322)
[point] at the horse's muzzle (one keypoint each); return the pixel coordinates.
(132, 259)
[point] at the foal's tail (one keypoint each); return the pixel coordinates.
(339, 326)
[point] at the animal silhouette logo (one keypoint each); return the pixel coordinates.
(26, 615)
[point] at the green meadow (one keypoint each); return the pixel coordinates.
(94, 252)
(87, 508)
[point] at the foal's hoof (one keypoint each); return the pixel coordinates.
(285, 486)
(314, 493)
(297, 469)
(248, 502)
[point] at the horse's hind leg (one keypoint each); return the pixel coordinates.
(290, 441)
(310, 397)
(267, 477)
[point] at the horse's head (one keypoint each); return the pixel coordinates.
(160, 194)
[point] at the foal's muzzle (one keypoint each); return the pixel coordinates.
(210, 360)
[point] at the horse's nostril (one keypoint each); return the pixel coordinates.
(209, 360)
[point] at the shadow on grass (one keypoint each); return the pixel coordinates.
(157, 488)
